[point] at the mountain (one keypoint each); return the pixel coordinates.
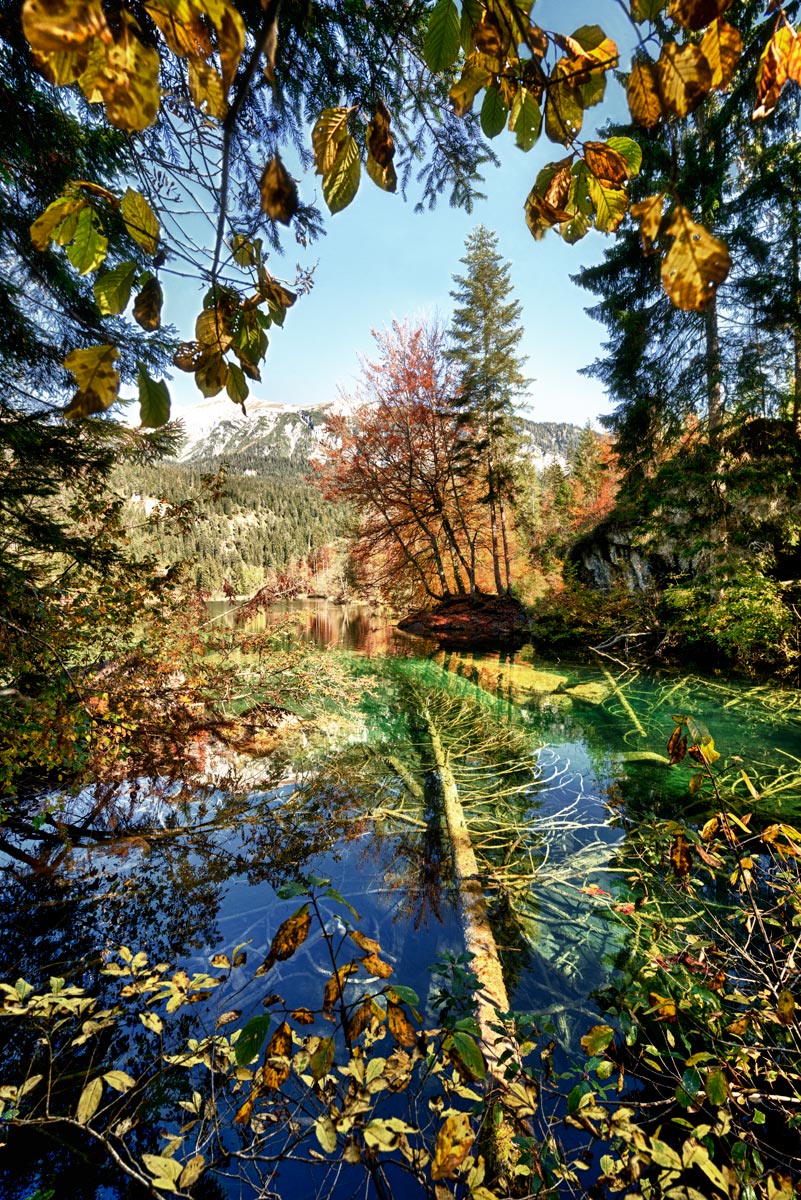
(281, 436)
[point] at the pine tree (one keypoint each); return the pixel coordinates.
(484, 336)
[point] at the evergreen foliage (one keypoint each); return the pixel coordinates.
(484, 337)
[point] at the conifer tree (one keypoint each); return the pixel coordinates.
(484, 337)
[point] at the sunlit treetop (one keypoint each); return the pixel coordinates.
(211, 91)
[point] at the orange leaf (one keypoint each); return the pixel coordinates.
(685, 77)
(643, 94)
(275, 1071)
(453, 1145)
(605, 163)
(400, 1026)
(721, 47)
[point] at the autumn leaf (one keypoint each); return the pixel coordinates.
(467, 87)
(279, 193)
(147, 305)
(780, 61)
(334, 987)
(330, 130)
(277, 1056)
(291, 934)
(677, 745)
(341, 183)
(685, 77)
(643, 94)
(664, 1007)
(400, 1026)
(696, 264)
(680, 857)
(453, 1144)
(97, 378)
(180, 23)
(368, 944)
(211, 373)
(785, 1007)
(53, 26)
(125, 77)
(140, 220)
(540, 215)
(721, 47)
(697, 14)
(606, 163)
(112, 289)
(206, 89)
(610, 205)
(360, 1019)
(376, 966)
(381, 150)
(564, 113)
(89, 1101)
(649, 215)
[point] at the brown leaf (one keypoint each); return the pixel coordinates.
(696, 263)
(303, 1016)
(540, 215)
(643, 94)
(379, 140)
(785, 1007)
(322, 1058)
(360, 1020)
(681, 857)
(696, 14)
(400, 1026)
(245, 1111)
(147, 305)
(605, 163)
(677, 746)
(558, 189)
(453, 1145)
(291, 934)
(188, 356)
(277, 1056)
(488, 35)
(334, 986)
(54, 26)
(685, 77)
(279, 193)
(722, 47)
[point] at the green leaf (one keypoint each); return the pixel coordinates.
(236, 385)
(88, 247)
(470, 1054)
(342, 181)
(465, 90)
(140, 220)
(251, 1039)
(664, 1155)
(154, 400)
(322, 1060)
(288, 891)
(89, 1101)
(333, 894)
(611, 205)
(717, 1089)
(113, 288)
(443, 37)
(330, 131)
(525, 120)
(629, 150)
(493, 112)
(403, 995)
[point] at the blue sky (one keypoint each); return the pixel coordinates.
(381, 261)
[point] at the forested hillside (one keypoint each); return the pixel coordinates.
(247, 527)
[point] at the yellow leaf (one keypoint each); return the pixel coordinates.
(610, 205)
(206, 88)
(564, 113)
(721, 47)
(685, 77)
(181, 26)
(780, 61)
(329, 132)
(230, 30)
(98, 380)
(289, 936)
(46, 226)
(467, 87)
(368, 944)
(334, 987)
(664, 1006)
(191, 1172)
(140, 220)
(62, 67)
(125, 76)
(453, 1145)
(89, 1101)
(52, 26)
(649, 214)
(643, 94)
(360, 1020)
(696, 263)
(341, 183)
(211, 373)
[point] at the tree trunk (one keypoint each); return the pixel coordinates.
(496, 558)
(795, 413)
(714, 389)
(505, 540)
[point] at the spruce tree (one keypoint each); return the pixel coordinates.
(484, 336)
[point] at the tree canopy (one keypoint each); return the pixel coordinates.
(214, 96)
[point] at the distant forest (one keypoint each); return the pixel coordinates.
(261, 524)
